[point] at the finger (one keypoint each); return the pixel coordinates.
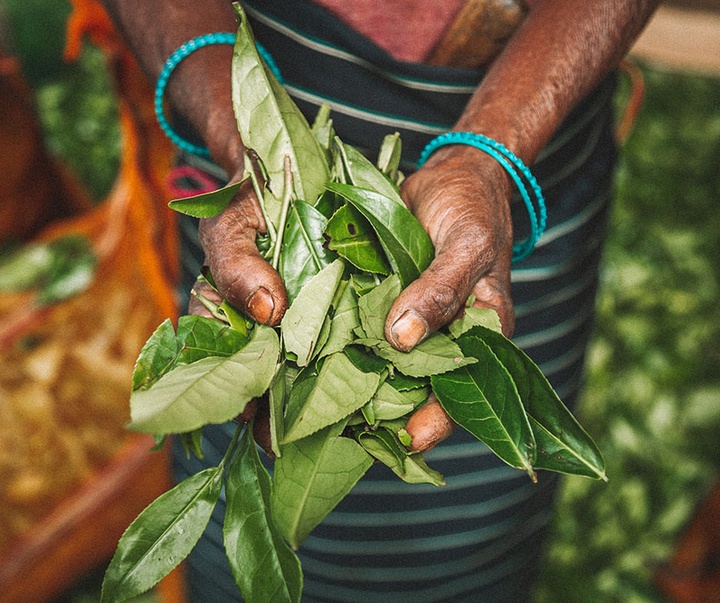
(496, 296)
(462, 265)
(429, 425)
(241, 275)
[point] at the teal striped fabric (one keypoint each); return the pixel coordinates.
(480, 538)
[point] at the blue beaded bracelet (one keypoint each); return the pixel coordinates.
(515, 168)
(174, 60)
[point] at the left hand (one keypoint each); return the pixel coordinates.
(461, 197)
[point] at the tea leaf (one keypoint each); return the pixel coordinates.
(410, 467)
(563, 445)
(388, 403)
(303, 253)
(345, 320)
(206, 205)
(352, 237)
(437, 354)
(473, 317)
(374, 306)
(339, 390)
(303, 321)
(270, 123)
(362, 173)
(483, 399)
(264, 567)
(405, 242)
(162, 536)
(211, 390)
(312, 476)
(389, 157)
(197, 337)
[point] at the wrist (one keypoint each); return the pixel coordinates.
(520, 174)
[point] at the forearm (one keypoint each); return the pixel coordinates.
(563, 49)
(200, 87)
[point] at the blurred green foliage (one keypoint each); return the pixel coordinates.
(652, 396)
(76, 104)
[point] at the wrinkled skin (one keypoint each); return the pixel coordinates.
(561, 51)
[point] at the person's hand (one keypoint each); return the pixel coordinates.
(243, 277)
(461, 197)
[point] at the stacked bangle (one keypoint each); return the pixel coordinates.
(173, 61)
(517, 170)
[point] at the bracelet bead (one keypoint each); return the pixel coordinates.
(173, 61)
(516, 169)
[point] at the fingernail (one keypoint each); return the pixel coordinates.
(260, 305)
(408, 330)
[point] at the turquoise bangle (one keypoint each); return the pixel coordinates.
(173, 61)
(517, 170)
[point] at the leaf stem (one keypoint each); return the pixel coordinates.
(287, 197)
(272, 233)
(232, 446)
(211, 306)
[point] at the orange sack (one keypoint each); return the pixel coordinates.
(71, 476)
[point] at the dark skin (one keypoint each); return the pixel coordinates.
(461, 196)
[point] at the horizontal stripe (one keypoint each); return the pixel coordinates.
(538, 338)
(452, 567)
(574, 355)
(456, 539)
(438, 594)
(326, 49)
(539, 274)
(578, 288)
(458, 481)
(356, 112)
(435, 515)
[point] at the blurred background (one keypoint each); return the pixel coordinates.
(652, 397)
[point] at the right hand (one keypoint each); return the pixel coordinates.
(243, 277)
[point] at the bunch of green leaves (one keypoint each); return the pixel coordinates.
(54, 270)
(339, 395)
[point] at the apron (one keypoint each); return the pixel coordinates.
(480, 537)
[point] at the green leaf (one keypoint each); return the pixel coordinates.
(312, 476)
(352, 237)
(374, 306)
(483, 399)
(206, 205)
(387, 448)
(563, 445)
(56, 270)
(389, 157)
(270, 123)
(264, 566)
(303, 321)
(276, 402)
(473, 317)
(362, 173)
(366, 361)
(162, 536)
(197, 337)
(406, 244)
(388, 403)
(339, 390)
(437, 354)
(303, 253)
(345, 320)
(211, 390)
(322, 129)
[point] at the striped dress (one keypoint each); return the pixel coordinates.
(479, 538)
